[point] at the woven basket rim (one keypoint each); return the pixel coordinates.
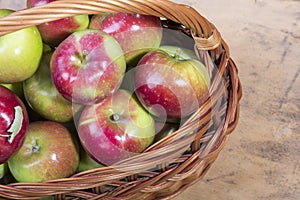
(205, 34)
(186, 170)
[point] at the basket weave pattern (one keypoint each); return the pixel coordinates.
(156, 173)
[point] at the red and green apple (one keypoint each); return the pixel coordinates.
(88, 66)
(49, 152)
(43, 97)
(181, 52)
(115, 129)
(170, 86)
(54, 32)
(136, 33)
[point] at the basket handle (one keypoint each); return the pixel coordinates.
(204, 33)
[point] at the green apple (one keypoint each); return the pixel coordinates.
(3, 169)
(17, 88)
(49, 152)
(86, 162)
(20, 53)
(43, 97)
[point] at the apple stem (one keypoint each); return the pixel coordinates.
(177, 53)
(35, 147)
(84, 54)
(115, 117)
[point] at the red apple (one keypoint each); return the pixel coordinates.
(137, 34)
(56, 31)
(13, 123)
(88, 66)
(170, 87)
(49, 152)
(43, 97)
(115, 129)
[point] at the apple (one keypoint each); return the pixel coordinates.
(181, 52)
(136, 33)
(88, 66)
(20, 53)
(43, 97)
(13, 123)
(54, 32)
(3, 169)
(16, 88)
(48, 153)
(86, 162)
(115, 129)
(163, 129)
(169, 86)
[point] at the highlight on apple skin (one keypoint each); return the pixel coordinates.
(13, 123)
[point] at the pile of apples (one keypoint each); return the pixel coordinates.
(90, 91)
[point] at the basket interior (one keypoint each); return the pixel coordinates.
(174, 163)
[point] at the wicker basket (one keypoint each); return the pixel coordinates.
(159, 172)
